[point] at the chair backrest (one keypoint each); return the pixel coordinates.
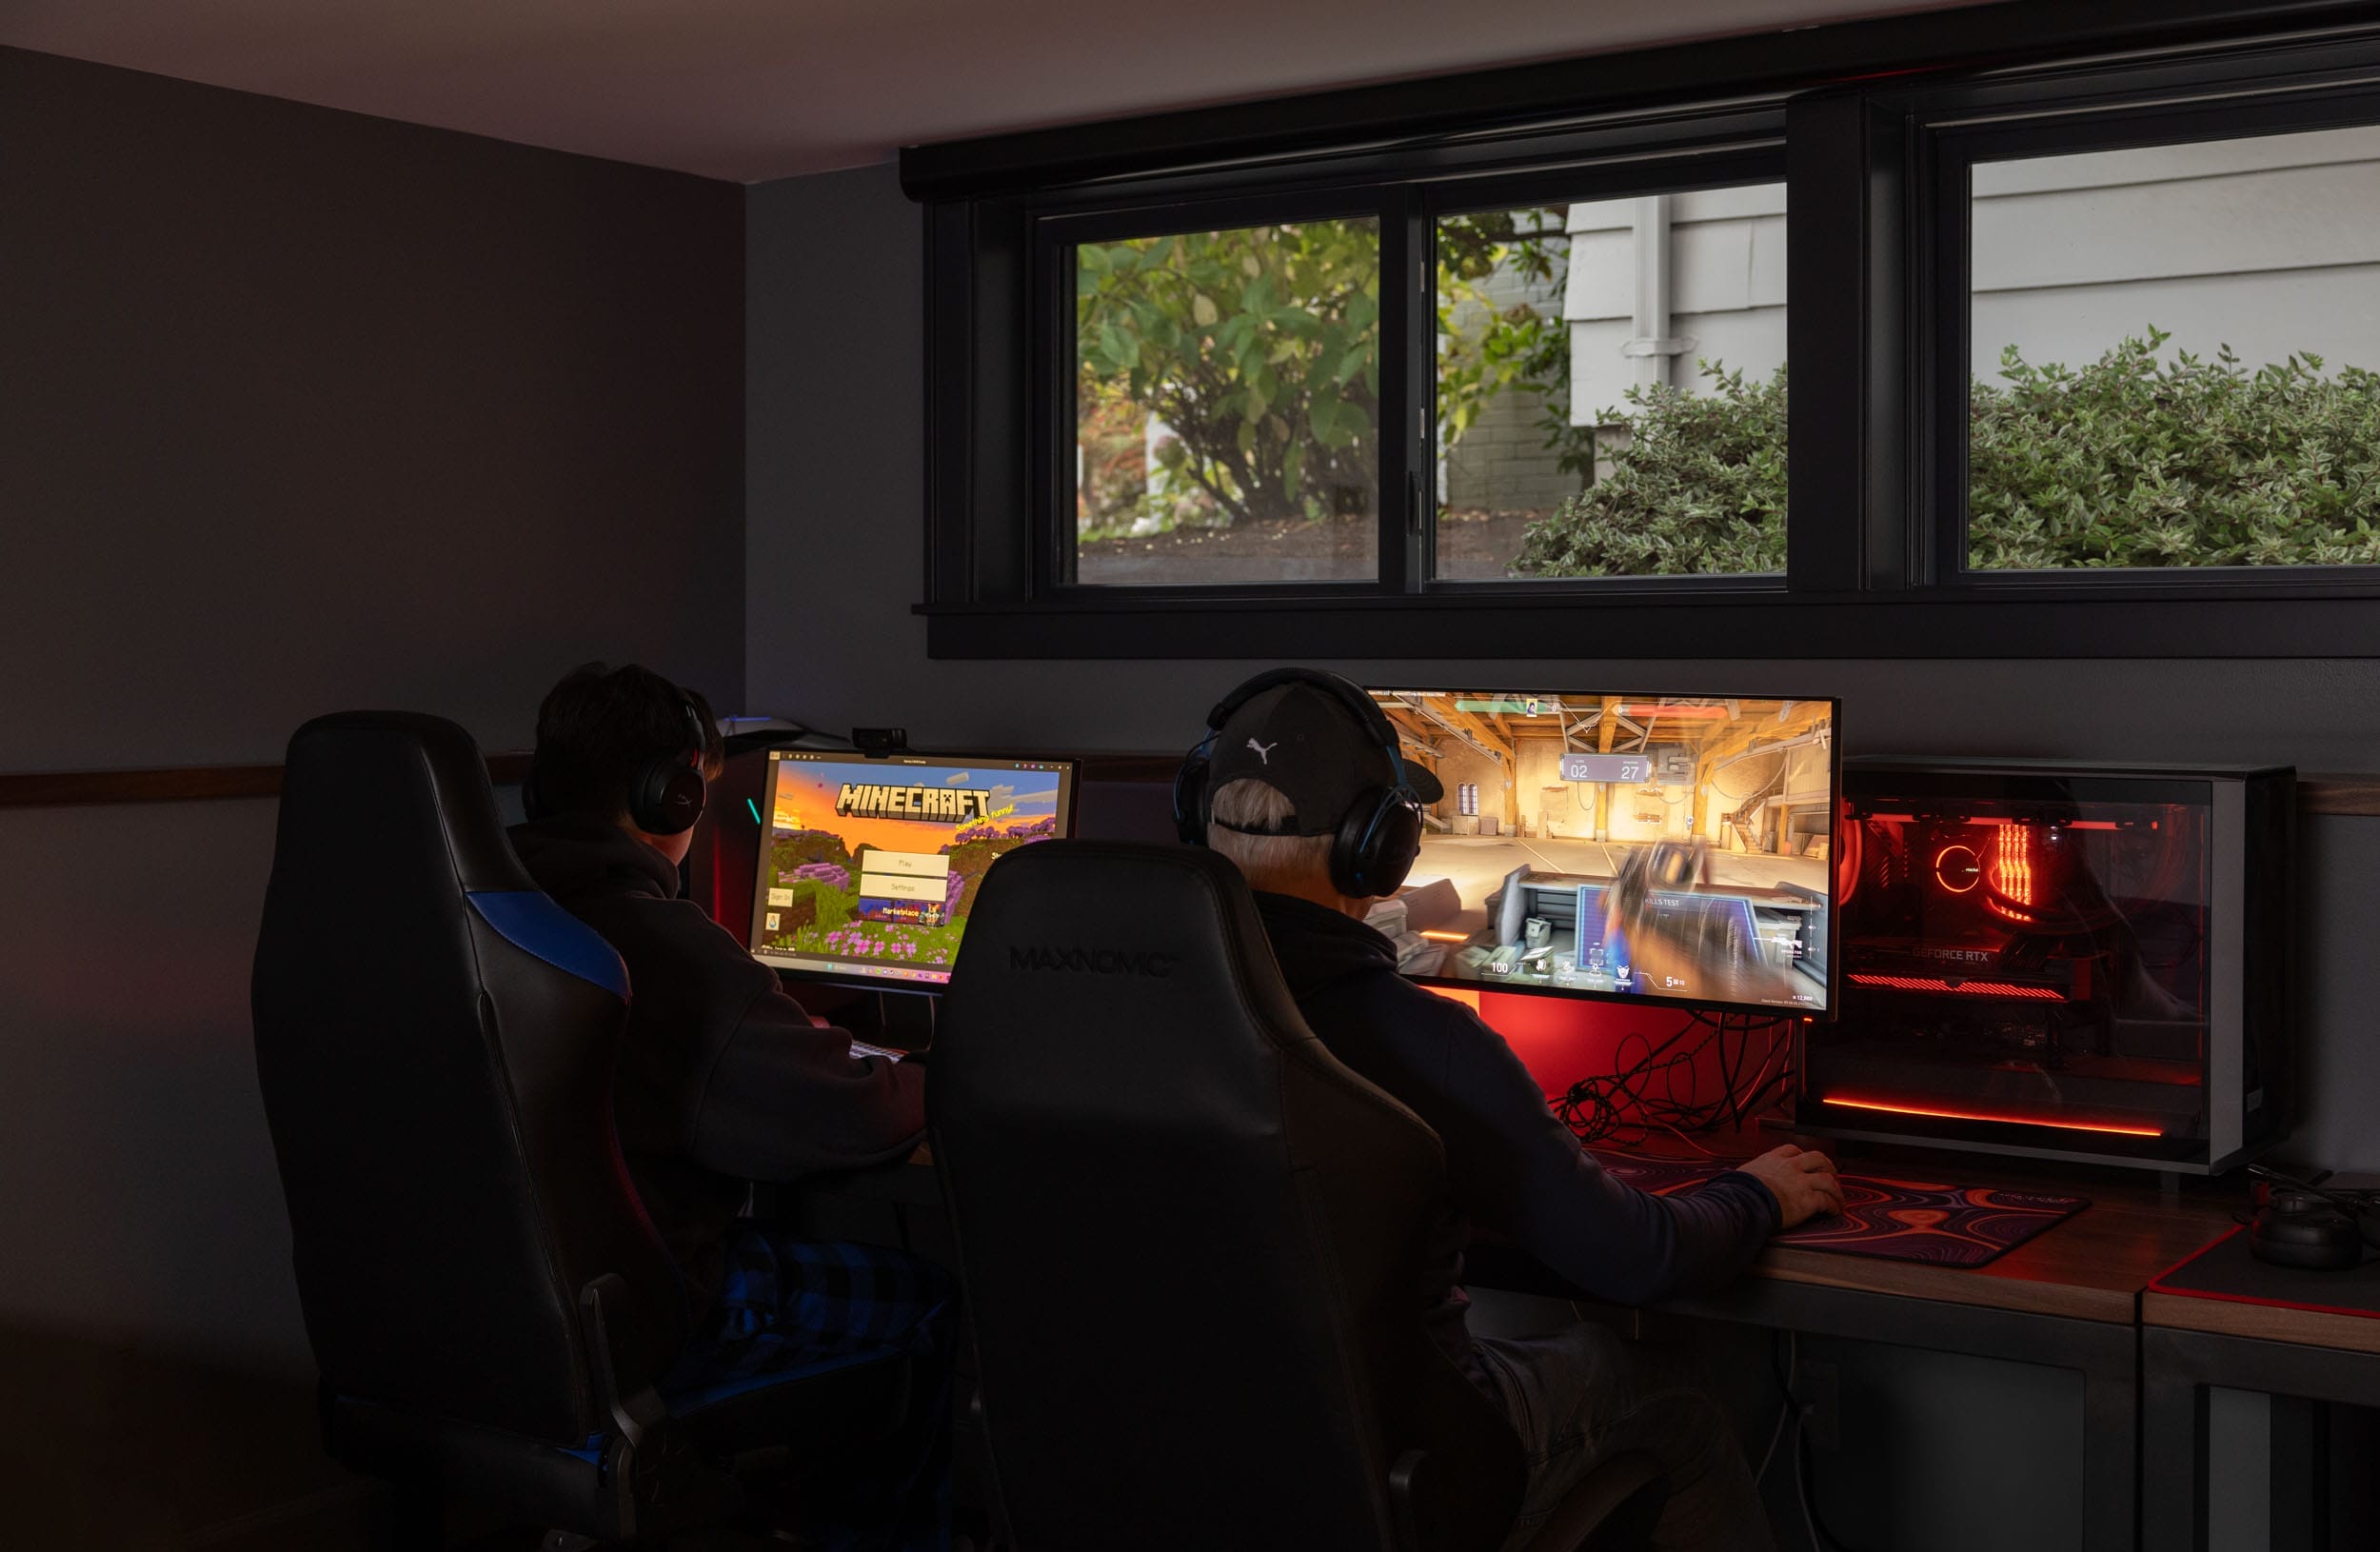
(1192, 1241)
(435, 1039)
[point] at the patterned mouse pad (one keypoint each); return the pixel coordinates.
(1898, 1219)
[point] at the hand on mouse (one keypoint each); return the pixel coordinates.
(1802, 1182)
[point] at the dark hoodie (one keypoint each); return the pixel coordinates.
(1512, 1167)
(723, 1079)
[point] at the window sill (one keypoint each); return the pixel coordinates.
(2158, 621)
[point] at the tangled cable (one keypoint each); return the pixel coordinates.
(1660, 1087)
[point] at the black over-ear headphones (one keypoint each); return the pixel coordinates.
(2305, 1225)
(1379, 835)
(666, 795)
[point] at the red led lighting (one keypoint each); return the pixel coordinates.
(2014, 865)
(1963, 988)
(2006, 1119)
(1956, 869)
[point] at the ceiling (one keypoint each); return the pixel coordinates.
(752, 89)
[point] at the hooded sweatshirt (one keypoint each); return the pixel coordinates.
(722, 1078)
(1511, 1165)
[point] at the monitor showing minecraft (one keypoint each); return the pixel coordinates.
(1634, 846)
(869, 867)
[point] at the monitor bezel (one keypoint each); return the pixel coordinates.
(1070, 789)
(1683, 1004)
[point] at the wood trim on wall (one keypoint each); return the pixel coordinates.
(176, 783)
(2356, 796)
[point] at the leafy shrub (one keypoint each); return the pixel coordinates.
(2137, 461)
(2132, 461)
(1698, 487)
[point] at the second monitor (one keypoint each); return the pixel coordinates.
(868, 867)
(1642, 846)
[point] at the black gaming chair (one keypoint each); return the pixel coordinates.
(1193, 1242)
(490, 1309)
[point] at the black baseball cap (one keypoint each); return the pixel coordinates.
(1314, 747)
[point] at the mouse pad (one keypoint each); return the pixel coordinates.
(2226, 1270)
(1896, 1220)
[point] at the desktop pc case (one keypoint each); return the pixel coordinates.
(2088, 964)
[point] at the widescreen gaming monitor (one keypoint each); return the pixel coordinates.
(869, 867)
(1671, 849)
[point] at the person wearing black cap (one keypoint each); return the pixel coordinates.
(1301, 785)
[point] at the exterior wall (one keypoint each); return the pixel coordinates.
(1502, 463)
(1726, 292)
(2271, 246)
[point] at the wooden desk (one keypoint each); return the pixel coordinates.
(2068, 1298)
(2303, 1359)
(2071, 1298)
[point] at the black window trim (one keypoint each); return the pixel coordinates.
(1876, 550)
(2077, 111)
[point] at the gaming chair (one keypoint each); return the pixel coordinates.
(490, 1309)
(1192, 1242)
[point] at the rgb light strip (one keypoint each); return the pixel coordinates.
(1961, 989)
(1976, 1115)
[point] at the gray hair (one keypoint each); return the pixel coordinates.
(1281, 863)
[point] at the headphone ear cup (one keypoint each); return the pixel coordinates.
(1376, 844)
(1190, 798)
(668, 798)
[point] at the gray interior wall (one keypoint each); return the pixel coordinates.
(301, 411)
(834, 414)
(834, 427)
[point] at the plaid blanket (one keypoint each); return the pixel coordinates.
(787, 1304)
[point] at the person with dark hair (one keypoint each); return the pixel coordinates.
(723, 1080)
(1284, 772)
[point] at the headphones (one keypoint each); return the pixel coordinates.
(2307, 1226)
(665, 794)
(1379, 835)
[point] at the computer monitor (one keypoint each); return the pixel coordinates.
(1645, 848)
(868, 867)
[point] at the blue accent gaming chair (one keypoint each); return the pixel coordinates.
(489, 1304)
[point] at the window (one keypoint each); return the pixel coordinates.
(1467, 798)
(1226, 416)
(2084, 345)
(1610, 387)
(2172, 355)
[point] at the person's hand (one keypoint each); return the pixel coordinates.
(1803, 1183)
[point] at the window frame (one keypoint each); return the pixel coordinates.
(1877, 308)
(2077, 112)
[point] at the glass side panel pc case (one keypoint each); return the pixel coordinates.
(2081, 963)
(1643, 847)
(869, 867)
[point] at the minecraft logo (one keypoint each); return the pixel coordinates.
(945, 805)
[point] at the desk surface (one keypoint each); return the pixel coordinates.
(2092, 1267)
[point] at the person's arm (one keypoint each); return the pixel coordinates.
(1523, 1173)
(773, 1096)
(786, 1098)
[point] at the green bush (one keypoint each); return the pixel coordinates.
(2137, 461)
(1699, 488)
(2132, 461)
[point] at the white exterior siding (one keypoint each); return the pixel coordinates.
(2270, 245)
